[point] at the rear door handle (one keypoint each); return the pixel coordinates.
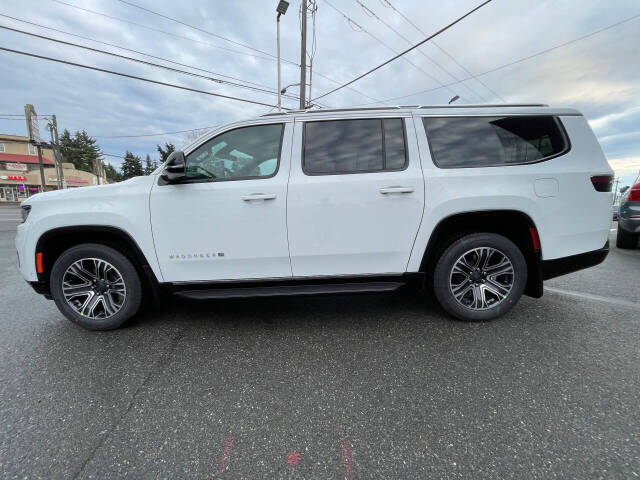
(259, 196)
(387, 190)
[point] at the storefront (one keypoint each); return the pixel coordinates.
(20, 171)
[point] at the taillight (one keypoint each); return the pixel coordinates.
(602, 183)
(634, 193)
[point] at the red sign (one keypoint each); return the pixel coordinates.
(16, 177)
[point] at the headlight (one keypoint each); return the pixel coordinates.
(25, 212)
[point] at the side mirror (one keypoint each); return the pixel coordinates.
(174, 170)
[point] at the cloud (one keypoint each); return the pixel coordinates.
(598, 75)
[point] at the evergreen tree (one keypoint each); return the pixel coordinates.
(168, 149)
(112, 174)
(81, 150)
(131, 166)
(149, 165)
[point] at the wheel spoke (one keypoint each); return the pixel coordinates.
(499, 290)
(501, 268)
(462, 290)
(77, 270)
(71, 291)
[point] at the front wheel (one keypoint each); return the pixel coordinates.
(95, 286)
(480, 276)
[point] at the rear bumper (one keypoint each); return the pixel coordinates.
(562, 266)
(631, 225)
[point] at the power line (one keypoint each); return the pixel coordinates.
(131, 4)
(362, 29)
(57, 60)
(157, 134)
(130, 50)
(514, 62)
(173, 35)
(124, 57)
(406, 51)
(390, 5)
(371, 13)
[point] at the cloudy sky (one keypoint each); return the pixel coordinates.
(599, 74)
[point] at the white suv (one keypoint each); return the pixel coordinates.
(478, 203)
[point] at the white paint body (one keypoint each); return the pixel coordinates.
(331, 225)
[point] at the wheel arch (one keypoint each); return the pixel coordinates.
(54, 242)
(512, 224)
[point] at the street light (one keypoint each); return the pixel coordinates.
(457, 97)
(281, 9)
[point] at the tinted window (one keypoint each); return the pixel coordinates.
(354, 146)
(243, 153)
(486, 141)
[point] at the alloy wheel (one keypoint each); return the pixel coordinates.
(94, 288)
(481, 278)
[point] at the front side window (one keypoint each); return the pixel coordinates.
(240, 154)
(460, 142)
(354, 146)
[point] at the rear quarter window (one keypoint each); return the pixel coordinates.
(464, 142)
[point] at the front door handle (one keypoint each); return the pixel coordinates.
(387, 190)
(259, 196)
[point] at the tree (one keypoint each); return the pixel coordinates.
(149, 165)
(168, 149)
(131, 166)
(111, 173)
(81, 150)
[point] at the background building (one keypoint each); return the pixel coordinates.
(20, 172)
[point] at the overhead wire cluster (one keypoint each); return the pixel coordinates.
(235, 82)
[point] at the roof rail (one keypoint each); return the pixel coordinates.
(352, 109)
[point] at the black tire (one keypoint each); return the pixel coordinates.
(495, 307)
(131, 301)
(626, 239)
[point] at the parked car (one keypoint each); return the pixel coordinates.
(476, 203)
(629, 218)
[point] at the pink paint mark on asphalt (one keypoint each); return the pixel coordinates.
(225, 456)
(293, 458)
(345, 446)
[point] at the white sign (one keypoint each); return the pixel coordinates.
(17, 166)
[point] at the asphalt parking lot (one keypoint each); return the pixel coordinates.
(346, 387)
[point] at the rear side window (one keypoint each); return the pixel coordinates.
(354, 146)
(460, 142)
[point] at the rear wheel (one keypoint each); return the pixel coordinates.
(480, 276)
(95, 286)
(625, 239)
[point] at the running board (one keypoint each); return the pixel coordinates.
(286, 290)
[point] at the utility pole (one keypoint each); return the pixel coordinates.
(281, 9)
(53, 129)
(278, 35)
(303, 57)
(34, 137)
(615, 190)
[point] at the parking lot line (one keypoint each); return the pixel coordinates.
(597, 298)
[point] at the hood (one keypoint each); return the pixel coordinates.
(86, 193)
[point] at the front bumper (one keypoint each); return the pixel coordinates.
(562, 266)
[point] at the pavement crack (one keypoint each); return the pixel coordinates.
(161, 362)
